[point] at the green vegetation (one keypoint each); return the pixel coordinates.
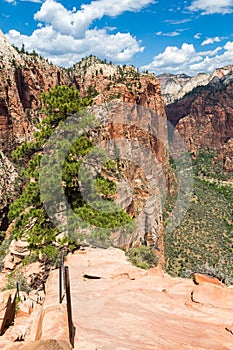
(17, 277)
(206, 166)
(142, 257)
(4, 248)
(204, 240)
(28, 212)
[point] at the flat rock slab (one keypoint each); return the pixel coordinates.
(214, 296)
(130, 308)
(50, 344)
(117, 306)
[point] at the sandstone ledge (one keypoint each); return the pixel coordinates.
(129, 308)
(120, 307)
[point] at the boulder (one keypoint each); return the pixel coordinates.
(201, 278)
(17, 251)
(9, 263)
(19, 248)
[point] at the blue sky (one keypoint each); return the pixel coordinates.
(161, 36)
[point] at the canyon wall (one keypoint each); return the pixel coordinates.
(22, 79)
(174, 87)
(204, 118)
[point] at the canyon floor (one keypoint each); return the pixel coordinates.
(117, 306)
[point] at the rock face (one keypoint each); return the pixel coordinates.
(22, 79)
(204, 117)
(118, 306)
(8, 176)
(225, 155)
(135, 124)
(174, 87)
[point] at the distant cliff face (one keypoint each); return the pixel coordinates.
(174, 87)
(225, 155)
(204, 117)
(22, 79)
(112, 82)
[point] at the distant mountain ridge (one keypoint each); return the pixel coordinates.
(204, 116)
(174, 87)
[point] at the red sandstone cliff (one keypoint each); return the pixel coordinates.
(204, 117)
(22, 79)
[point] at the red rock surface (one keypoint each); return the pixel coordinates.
(200, 279)
(213, 296)
(22, 79)
(50, 344)
(225, 155)
(204, 118)
(129, 308)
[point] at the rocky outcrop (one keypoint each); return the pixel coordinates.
(135, 124)
(204, 117)
(225, 155)
(114, 86)
(8, 175)
(174, 87)
(22, 79)
(17, 251)
(200, 279)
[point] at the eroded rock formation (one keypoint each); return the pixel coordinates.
(8, 175)
(204, 117)
(174, 87)
(22, 79)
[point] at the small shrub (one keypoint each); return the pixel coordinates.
(217, 272)
(142, 257)
(13, 278)
(4, 248)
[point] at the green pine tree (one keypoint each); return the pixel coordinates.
(60, 104)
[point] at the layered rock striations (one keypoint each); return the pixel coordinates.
(24, 76)
(204, 117)
(174, 87)
(22, 79)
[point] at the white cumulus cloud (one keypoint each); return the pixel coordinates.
(208, 64)
(190, 61)
(65, 36)
(173, 59)
(65, 50)
(76, 22)
(209, 7)
(211, 41)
